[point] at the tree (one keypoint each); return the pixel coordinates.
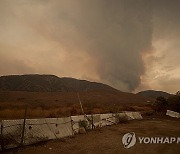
(161, 104)
(174, 103)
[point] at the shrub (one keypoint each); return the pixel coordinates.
(122, 119)
(174, 103)
(161, 104)
(83, 123)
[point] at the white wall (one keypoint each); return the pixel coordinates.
(37, 130)
(173, 114)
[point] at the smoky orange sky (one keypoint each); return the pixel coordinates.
(131, 45)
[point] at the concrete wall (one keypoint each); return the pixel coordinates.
(37, 130)
(173, 114)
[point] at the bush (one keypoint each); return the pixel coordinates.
(161, 104)
(83, 123)
(174, 103)
(122, 119)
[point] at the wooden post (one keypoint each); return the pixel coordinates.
(72, 123)
(92, 121)
(2, 138)
(24, 123)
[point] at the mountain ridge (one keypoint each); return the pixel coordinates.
(48, 83)
(153, 94)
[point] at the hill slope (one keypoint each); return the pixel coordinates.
(50, 96)
(153, 94)
(48, 83)
(50, 89)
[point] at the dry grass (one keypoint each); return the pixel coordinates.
(54, 104)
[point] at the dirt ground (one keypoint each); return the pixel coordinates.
(108, 140)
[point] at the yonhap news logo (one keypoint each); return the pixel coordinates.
(130, 139)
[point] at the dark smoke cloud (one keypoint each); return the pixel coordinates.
(99, 40)
(162, 67)
(119, 42)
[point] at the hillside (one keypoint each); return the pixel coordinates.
(58, 97)
(152, 94)
(48, 83)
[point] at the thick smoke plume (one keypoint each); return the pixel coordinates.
(94, 39)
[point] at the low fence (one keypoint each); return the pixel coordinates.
(15, 133)
(173, 114)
